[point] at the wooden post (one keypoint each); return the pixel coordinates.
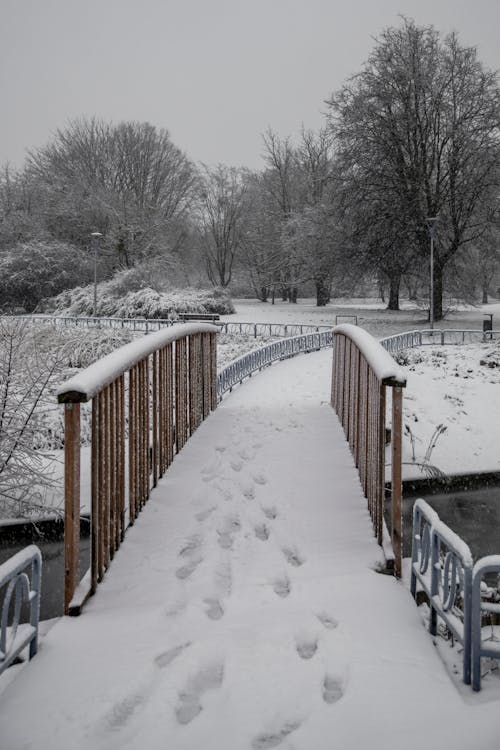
(396, 479)
(71, 501)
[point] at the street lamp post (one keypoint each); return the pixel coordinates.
(96, 238)
(431, 224)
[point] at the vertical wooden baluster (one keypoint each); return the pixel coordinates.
(140, 422)
(161, 411)
(381, 463)
(112, 468)
(94, 521)
(131, 445)
(147, 444)
(122, 458)
(72, 501)
(396, 478)
(100, 486)
(213, 370)
(170, 405)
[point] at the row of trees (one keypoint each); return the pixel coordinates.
(414, 135)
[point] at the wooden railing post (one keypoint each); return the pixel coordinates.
(71, 501)
(396, 478)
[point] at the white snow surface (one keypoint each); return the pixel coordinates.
(243, 610)
(103, 372)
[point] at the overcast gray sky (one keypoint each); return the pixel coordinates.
(215, 73)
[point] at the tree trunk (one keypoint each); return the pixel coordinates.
(322, 293)
(485, 293)
(394, 284)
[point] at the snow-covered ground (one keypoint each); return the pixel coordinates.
(451, 409)
(243, 610)
(371, 314)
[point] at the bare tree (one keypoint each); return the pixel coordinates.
(221, 220)
(417, 134)
(127, 180)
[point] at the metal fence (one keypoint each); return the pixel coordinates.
(156, 392)
(436, 337)
(441, 563)
(483, 608)
(244, 366)
(147, 325)
(361, 372)
(20, 589)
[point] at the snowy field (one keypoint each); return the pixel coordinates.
(371, 313)
(244, 610)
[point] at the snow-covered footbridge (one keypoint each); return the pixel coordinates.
(246, 607)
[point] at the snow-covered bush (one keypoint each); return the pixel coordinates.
(115, 298)
(29, 272)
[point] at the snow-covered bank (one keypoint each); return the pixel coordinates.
(450, 405)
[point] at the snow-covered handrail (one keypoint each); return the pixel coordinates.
(442, 565)
(152, 394)
(362, 369)
(18, 587)
(96, 377)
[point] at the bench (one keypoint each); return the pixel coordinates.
(198, 316)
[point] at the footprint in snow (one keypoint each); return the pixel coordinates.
(262, 532)
(327, 621)
(189, 705)
(249, 492)
(270, 513)
(293, 557)
(259, 479)
(190, 546)
(220, 448)
(236, 465)
(121, 713)
(268, 740)
(186, 571)
(306, 648)
(204, 514)
(167, 657)
(214, 609)
(333, 689)
(282, 587)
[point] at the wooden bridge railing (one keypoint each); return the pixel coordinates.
(147, 398)
(362, 370)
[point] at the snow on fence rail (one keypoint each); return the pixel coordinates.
(361, 371)
(437, 337)
(152, 394)
(16, 586)
(244, 366)
(148, 325)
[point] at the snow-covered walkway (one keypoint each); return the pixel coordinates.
(243, 610)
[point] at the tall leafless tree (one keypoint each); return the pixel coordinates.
(417, 133)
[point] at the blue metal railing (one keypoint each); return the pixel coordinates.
(244, 366)
(489, 646)
(14, 637)
(442, 564)
(436, 337)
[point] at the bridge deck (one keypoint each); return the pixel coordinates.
(243, 610)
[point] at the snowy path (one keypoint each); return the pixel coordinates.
(244, 611)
